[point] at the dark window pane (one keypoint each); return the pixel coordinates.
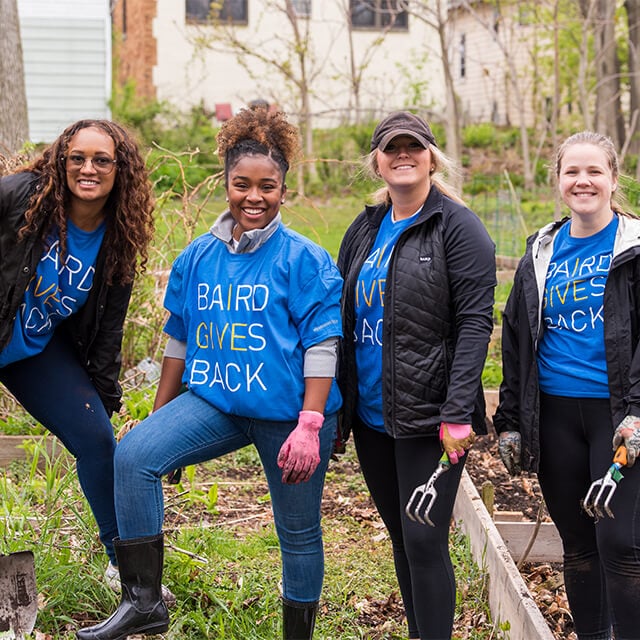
(229, 10)
(234, 10)
(302, 7)
(198, 10)
(376, 14)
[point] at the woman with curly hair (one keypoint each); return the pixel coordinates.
(254, 320)
(75, 225)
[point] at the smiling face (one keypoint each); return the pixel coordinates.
(85, 183)
(405, 163)
(586, 182)
(255, 190)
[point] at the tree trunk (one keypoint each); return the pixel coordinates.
(609, 118)
(453, 125)
(14, 124)
(632, 8)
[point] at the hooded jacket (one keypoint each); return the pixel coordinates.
(519, 406)
(96, 329)
(437, 318)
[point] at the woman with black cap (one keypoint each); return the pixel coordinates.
(419, 270)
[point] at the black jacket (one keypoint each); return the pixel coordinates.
(438, 318)
(96, 329)
(519, 406)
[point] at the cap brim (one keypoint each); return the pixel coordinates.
(387, 138)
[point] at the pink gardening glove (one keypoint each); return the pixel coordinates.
(300, 453)
(456, 439)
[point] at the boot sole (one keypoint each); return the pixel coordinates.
(145, 631)
(149, 630)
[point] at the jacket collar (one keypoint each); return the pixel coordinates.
(250, 241)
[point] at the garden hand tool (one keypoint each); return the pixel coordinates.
(424, 495)
(18, 594)
(601, 490)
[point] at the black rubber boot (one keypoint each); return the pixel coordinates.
(142, 609)
(298, 619)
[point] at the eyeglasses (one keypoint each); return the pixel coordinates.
(102, 164)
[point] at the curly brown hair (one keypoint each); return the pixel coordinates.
(256, 131)
(129, 208)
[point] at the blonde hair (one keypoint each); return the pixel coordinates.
(619, 203)
(442, 165)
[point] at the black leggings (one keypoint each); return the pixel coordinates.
(601, 559)
(392, 469)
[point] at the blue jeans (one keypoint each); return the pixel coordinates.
(188, 430)
(56, 390)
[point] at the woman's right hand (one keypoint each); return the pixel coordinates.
(510, 450)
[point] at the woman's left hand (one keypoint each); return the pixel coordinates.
(456, 439)
(300, 453)
(628, 433)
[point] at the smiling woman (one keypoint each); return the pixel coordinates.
(73, 234)
(576, 387)
(419, 271)
(91, 174)
(254, 318)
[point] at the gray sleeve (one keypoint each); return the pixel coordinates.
(175, 349)
(320, 359)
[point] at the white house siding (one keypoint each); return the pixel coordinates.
(186, 77)
(485, 92)
(67, 63)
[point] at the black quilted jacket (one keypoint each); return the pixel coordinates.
(96, 329)
(438, 318)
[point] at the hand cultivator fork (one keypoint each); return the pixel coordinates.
(601, 491)
(424, 495)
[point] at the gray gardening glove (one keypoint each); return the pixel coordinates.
(628, 433)
(510, 450)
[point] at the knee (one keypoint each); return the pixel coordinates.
(97, 443)
(296, 539)
(618, 552)
(128, 455)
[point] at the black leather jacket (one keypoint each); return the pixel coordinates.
(438, 318)
(96, 329)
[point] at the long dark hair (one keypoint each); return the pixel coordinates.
(128, 210)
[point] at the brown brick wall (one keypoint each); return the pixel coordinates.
(135, 48)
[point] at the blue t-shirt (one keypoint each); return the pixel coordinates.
(56, 290)
(248, 318)
(369, 305)
(571, 354)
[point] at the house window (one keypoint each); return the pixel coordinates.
(377, 14)
(235, 11)
(463, 55)
(302, 8)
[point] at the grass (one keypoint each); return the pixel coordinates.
(223, 569)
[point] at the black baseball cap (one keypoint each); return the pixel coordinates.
(402, 123)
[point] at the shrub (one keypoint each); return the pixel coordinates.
(481, 135)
